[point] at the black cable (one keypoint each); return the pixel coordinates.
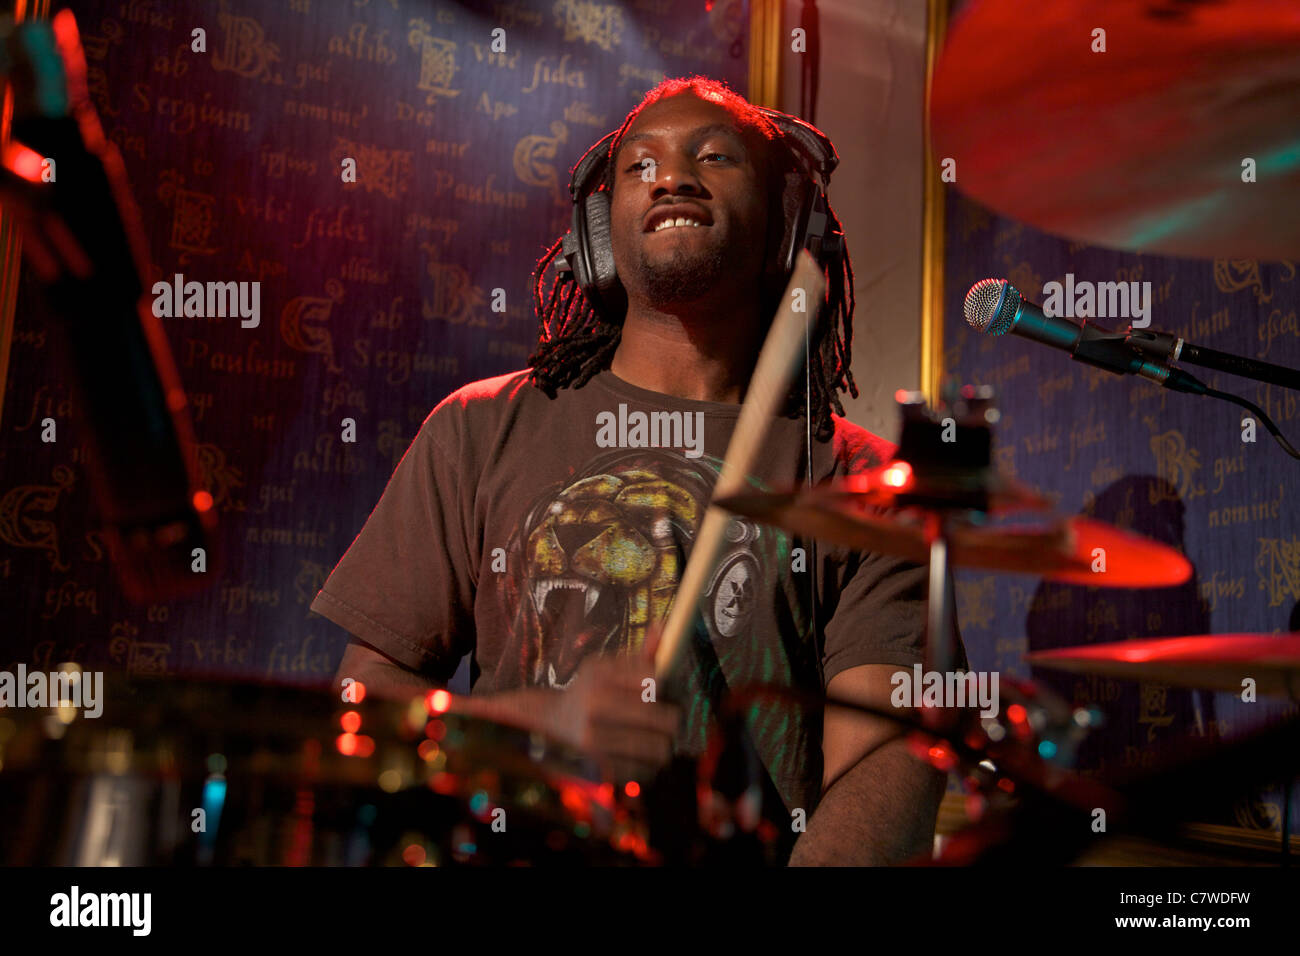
(1286, 821)
(810, 62)
(1268, 422)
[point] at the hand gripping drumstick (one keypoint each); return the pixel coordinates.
(768, 387)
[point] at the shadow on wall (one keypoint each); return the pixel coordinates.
(1142, 719)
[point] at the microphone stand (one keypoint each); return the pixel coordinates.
(1166, 348)
(1151, 354)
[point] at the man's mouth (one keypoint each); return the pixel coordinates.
(678, 216)
(679, 223)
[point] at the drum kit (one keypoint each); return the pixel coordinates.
(193, 773)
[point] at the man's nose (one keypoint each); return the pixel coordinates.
(675, 177)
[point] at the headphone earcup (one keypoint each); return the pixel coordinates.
(578, 258)
(797, 198)
(603, 273)
(604, 289)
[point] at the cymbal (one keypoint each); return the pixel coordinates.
(1209, 661)
(1061, 550)
(1139, 147)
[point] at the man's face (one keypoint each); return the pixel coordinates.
(705, 169)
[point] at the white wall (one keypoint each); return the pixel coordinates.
(870, 103)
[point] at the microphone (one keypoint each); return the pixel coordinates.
(996, 307)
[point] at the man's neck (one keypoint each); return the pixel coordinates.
(706, 356)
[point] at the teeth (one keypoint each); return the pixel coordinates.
(679, 221)
(544, 587)
(550, 679)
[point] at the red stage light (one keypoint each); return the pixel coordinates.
(897, 475)
(444, 783)
(941, 757)
(413, 855)
(350, 722)
(23, 162)
(574, 800)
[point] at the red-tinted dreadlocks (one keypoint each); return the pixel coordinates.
(575, 342)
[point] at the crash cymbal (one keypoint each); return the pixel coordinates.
(1141, 146)
(1066, 549)
(1208, 661)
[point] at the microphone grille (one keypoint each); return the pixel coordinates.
(991, 306)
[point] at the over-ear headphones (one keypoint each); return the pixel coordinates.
(586, 250)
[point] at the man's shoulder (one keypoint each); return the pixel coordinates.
(487, 392)
(475, 402)
(857, 449)
(482, 407)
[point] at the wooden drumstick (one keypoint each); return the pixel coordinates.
(768, 386)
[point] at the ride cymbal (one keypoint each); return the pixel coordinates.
(1207, 661)
(1143, 146)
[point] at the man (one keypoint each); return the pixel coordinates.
(513, 530)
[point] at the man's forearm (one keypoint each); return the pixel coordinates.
(880, 812)
(522, 708)
(527, 707)
(381, 679)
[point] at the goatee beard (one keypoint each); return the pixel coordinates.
(682, 278)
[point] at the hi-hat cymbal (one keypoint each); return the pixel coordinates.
(1208, 661)
(1143, 146)
(1071, 550)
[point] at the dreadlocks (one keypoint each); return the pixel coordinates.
(575, 341)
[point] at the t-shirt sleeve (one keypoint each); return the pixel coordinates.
(880, 617)
(880, 602)
(406, 584)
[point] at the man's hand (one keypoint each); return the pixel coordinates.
(604, 713)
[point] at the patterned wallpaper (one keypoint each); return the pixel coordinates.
(378, 297)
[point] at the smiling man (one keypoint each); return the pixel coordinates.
(523, 528)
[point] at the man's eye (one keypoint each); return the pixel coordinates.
(719, 155)
(640, 164)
